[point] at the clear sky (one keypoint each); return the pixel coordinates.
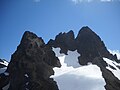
(47, 18)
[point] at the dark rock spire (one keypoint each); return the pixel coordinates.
(90, 46)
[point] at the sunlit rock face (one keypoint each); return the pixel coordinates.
(32, 65)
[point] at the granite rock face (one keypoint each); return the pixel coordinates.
(32, 65)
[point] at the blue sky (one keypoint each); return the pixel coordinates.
(47, 18)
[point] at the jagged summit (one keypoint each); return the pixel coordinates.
(32, 64)
(90, 46)
(66, 41)
(87, 32)
(87, 43)
(31, 37)
(85, 28)
(92, 50)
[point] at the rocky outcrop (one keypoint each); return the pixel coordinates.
(32, 65)
(66, 41)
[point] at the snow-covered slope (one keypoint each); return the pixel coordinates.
(72, 76)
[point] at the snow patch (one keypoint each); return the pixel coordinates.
(70, 60)
(115, 71)
(4, 63)
(63, 69)
(6, 73)
(26, 75)
(72, 76)
(57, 52)
(2, 70)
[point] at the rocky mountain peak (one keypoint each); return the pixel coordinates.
(29, 39)
(92, 50)
(87, 33)
(85, 29)
(88, 44)
(32, 65)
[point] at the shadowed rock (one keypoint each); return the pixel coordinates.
(66, 41)
(90, 46)
(32, 65)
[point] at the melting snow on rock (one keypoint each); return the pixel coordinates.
(115, 70)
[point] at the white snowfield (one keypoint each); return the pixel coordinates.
(72, 76)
